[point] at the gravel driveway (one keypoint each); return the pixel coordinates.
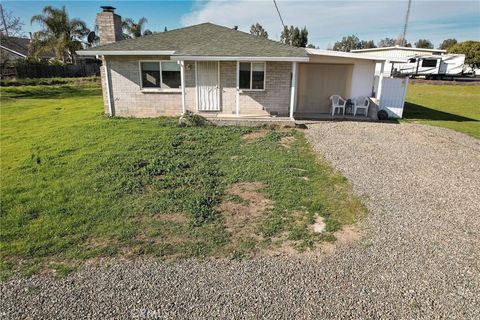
(419, 256)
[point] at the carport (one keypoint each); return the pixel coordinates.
(327, 73)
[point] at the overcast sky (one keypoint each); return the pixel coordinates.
(326, 21)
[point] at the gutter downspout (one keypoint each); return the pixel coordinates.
(293, 89)
(237, 102)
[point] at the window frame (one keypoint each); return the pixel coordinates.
(157, 89)
(251, 75)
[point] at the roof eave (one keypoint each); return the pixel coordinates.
(239, 58)
(125, 53)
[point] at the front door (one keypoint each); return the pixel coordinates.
(208, 91)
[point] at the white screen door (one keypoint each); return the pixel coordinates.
(207, 86)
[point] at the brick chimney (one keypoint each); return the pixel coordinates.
(109, 25)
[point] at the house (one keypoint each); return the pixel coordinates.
(397, 52)
(222, 72)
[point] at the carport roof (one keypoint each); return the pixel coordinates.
(350, 55)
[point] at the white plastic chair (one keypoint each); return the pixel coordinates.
(338, 103)
(361, 103)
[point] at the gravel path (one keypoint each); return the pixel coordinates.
(419, 257)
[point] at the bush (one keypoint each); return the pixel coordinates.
(190, 119)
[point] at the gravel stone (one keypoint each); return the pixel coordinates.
(419, 256)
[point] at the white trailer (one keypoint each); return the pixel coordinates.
(432, 66)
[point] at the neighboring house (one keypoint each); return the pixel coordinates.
(219, 71)
(14, 48)
(393, 53)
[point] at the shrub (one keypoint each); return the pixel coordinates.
(190, 119)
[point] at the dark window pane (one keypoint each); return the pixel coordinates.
(171, 75)
(429, 63)
(150, 74)
(258, 75)
(245, 75)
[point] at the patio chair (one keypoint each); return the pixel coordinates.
(338, 103)
(361, 103)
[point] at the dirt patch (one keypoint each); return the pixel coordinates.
(319, 225)
(252, 136)
(287, 141)
(348, 235)
(241, 218)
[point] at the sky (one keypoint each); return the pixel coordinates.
(326, 21)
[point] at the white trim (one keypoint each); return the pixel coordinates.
(13, 51)
(126, 53)
(293, 89)
(237, 102)
(157, 89)
(399, 48)
(218, 88)
(246, 59)
(349, 55)
(182, 79)
(107, 80)
(196, 85)
(241, 90)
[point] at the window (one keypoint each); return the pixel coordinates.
(171, 75)
(429, 63)
(252, 75)
(150, 74)
(413, 60)
(162, 74)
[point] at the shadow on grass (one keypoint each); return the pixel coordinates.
(44, 92)
(415, 111)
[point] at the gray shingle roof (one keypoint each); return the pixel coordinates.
(206, 39)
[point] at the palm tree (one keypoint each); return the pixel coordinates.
(135, 29)
(59, 34)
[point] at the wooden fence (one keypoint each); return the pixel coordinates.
(49, 71)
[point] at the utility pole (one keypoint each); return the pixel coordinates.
(3, 20)
(404, 34)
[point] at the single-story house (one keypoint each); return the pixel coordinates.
(220, 71)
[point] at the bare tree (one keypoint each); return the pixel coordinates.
(10, 26)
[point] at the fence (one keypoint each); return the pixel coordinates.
(49, 71)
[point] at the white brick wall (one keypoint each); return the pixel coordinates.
(129, 101)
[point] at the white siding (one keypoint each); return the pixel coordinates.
(362, 79)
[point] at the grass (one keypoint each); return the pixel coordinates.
(451, 106)
(76, 185)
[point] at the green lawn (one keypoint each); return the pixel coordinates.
(452, 106)
(77, 185)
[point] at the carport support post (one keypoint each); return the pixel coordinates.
(237, 96)
(182, 80)
(293, 89)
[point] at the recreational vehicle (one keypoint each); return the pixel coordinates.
(432, 66)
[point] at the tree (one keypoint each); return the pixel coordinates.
(424, 44)
(400, 41)
(367, 44)
(165, 30)
(59, 34)
(312, 46)
(10, 25)
(471, 50)
(347, 44)
(447, 44)
(294, 36)
(387, 42)
(257, 30)
(134, 29)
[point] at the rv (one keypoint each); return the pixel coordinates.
(432, 66)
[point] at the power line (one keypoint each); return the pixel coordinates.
(279, 15)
